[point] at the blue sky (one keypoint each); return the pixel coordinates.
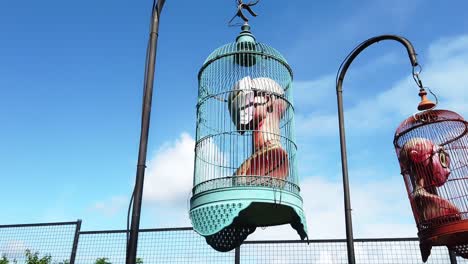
(71, 77)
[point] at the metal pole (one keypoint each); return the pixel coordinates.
(344, 162)
(237, 255)
(75, 241)
(145, 121)
(344, 168)
(453, 257)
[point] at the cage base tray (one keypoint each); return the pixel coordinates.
(452, 235)
(226, 223)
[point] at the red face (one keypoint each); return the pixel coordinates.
(424, 160)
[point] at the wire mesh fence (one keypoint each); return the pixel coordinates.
(165, 246)
(60, 243)
(49, 242)
(183, 245)
(385, 251)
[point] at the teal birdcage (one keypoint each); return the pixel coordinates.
(245, 155)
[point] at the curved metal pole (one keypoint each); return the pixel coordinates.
(344, 163)
(145, 121)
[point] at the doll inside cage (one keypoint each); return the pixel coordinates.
(256, 105)
(428, 166)
(432, 149)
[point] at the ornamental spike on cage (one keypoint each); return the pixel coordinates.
(245, 154)
(240, 8)
(432, 150)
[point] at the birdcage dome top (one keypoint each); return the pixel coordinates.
(231, 49)
(436, 121)
(245, 44)
(427, 117)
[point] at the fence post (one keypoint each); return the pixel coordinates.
(75, 241)
(453, 257)
(237, 255)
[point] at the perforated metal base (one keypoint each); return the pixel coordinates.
(226, 223)
(461, 250)
(211, 218)
(229, 238)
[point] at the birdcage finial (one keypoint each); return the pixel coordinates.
(425, 103)
(240, 8)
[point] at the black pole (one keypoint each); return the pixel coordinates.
(453, 257)
(237, 255)
(344, 162)
(145, 121)
(75, 241)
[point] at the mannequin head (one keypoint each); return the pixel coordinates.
(253, 100)
(425, 161)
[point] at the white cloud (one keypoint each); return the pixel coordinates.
(375, 204)
(444, 72)
(167, 188)
(379, 209)
(447, 74)
(321, 92)
(316, 124)
(313, 92)
(380, 206)
(169, 176)
(111, 206)
(163, 215)
(450, 47)
(210, 151)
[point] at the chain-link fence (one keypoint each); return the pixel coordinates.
(60, 243)
(183, 245)
(31, 243)
(382, 251)
(162, 246)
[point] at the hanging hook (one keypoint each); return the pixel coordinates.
(425, 103)
(416, 75)
(240, 7)
(435, 96)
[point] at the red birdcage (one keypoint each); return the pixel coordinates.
(432, 148)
